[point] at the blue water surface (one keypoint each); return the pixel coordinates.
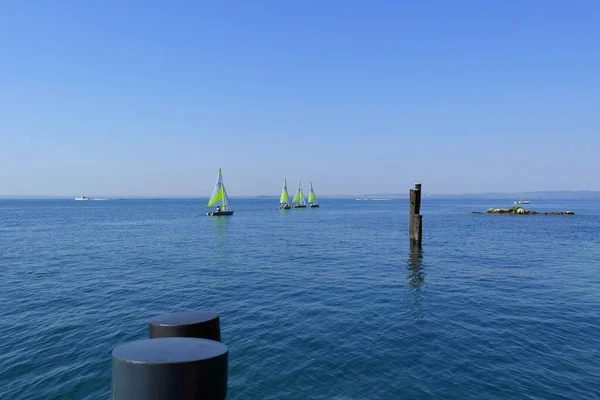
(325, 303)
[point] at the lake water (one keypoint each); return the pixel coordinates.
(325, 303)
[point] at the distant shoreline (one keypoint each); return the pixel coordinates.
(547, 195)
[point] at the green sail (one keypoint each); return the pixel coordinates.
(298, 196)
(219, 195)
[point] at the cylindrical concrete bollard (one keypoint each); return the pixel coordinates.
(170, 368)
(198, 324)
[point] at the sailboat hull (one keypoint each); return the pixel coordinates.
(219, 213)
(313, 206)
(299, 206)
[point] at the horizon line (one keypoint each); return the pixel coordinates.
(396, 195)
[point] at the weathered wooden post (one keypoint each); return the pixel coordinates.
(415, 219)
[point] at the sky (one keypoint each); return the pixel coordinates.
(151, 98)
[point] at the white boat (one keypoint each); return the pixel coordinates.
(284, 200)
(220, 194)
(522, 202)
(299, 197)
(82, 198)
(312, 200)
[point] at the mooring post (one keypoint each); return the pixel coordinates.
(415, 219)
(170, 368)
(198, 324)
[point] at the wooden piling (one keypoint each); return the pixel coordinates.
(415, 220)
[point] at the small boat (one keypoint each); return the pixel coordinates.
(284, 200)
(299, 197)
(312, 200)
(220, 194)
(82, 198)
(522, 202)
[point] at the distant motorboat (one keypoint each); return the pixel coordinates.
(522, 202)
(82, 198)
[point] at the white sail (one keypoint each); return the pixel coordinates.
(226, 205)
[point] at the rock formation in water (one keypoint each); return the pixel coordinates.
(521, 211)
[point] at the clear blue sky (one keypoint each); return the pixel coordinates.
(151, 98)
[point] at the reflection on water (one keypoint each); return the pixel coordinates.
(219, 233)
(416, 278)
(220, 224)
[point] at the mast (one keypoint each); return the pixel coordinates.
(225, 202)
(223, 185)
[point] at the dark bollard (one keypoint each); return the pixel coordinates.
(170, 368)
(198, 324)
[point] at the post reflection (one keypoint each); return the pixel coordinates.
(416, 279)
(416, 275)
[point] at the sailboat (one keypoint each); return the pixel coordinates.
(284, 200)
(299, 197)
(312, 201)
(219, 194)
